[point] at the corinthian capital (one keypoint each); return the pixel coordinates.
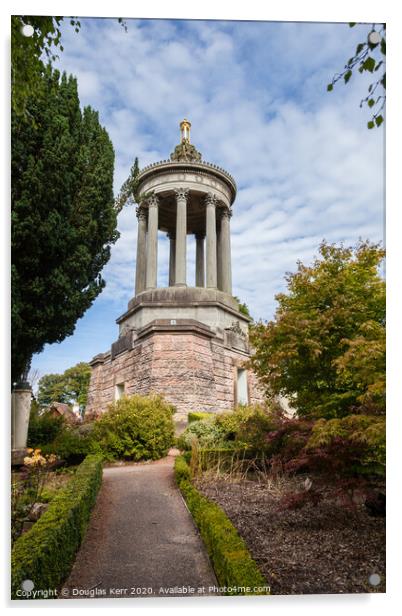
(210, 199)
(141, 212)
(153, 201)
(181, 193)
(226, 212)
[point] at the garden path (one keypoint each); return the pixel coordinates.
(141, 539)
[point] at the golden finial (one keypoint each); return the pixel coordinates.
(185, 126)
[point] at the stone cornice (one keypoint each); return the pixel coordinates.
(202, 168)
(177, 327)
(182, 304)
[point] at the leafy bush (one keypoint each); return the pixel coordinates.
(348, 453)
(233, 565)
(288, 438)
(250, 423)
(134, 428)
(46, 553)
(44, 428)
(70, 445)
(357, 442)
(337, 448)
(245, 426)
(205, 431)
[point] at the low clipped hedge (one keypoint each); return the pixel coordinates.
(198, 416)
(234, 567)
(46, 552)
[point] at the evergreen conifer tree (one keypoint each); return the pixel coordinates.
(63, 215)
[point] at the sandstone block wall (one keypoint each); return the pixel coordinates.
(194, 372)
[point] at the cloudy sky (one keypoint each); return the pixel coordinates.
(306, 166)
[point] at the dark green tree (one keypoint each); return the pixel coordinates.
(29, 54)
(69, 387)
(51, 389)
(63, 215)
(325, 347)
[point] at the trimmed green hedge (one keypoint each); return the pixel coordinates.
(199, 416)
(232, 562)
(45, 553)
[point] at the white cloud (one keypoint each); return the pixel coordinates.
(306, 165)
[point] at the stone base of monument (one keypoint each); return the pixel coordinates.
(195, 367)
(17, 456)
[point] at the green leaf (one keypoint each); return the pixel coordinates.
(370, 124)
(352, 23)
(371, 102)
(379, 120)
(359, 48)
(330, 87)
(369, 64)
(347, 76)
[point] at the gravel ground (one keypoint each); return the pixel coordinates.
(319, 549)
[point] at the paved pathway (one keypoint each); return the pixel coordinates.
(141, 539)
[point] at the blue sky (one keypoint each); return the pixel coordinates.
(305, 164)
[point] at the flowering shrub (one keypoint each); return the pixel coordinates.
(26, 491)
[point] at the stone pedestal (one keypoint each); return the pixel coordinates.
(20, 410)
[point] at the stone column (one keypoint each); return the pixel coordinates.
(152, 243)
(210, 203)
(181, 237)
(218, 253)
(224, 251)
(141, 264)
(172, 257)
(199, 261)
(20, 409)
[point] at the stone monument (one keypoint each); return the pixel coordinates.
(188, 343)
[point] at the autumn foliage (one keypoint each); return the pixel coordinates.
(325, 348)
